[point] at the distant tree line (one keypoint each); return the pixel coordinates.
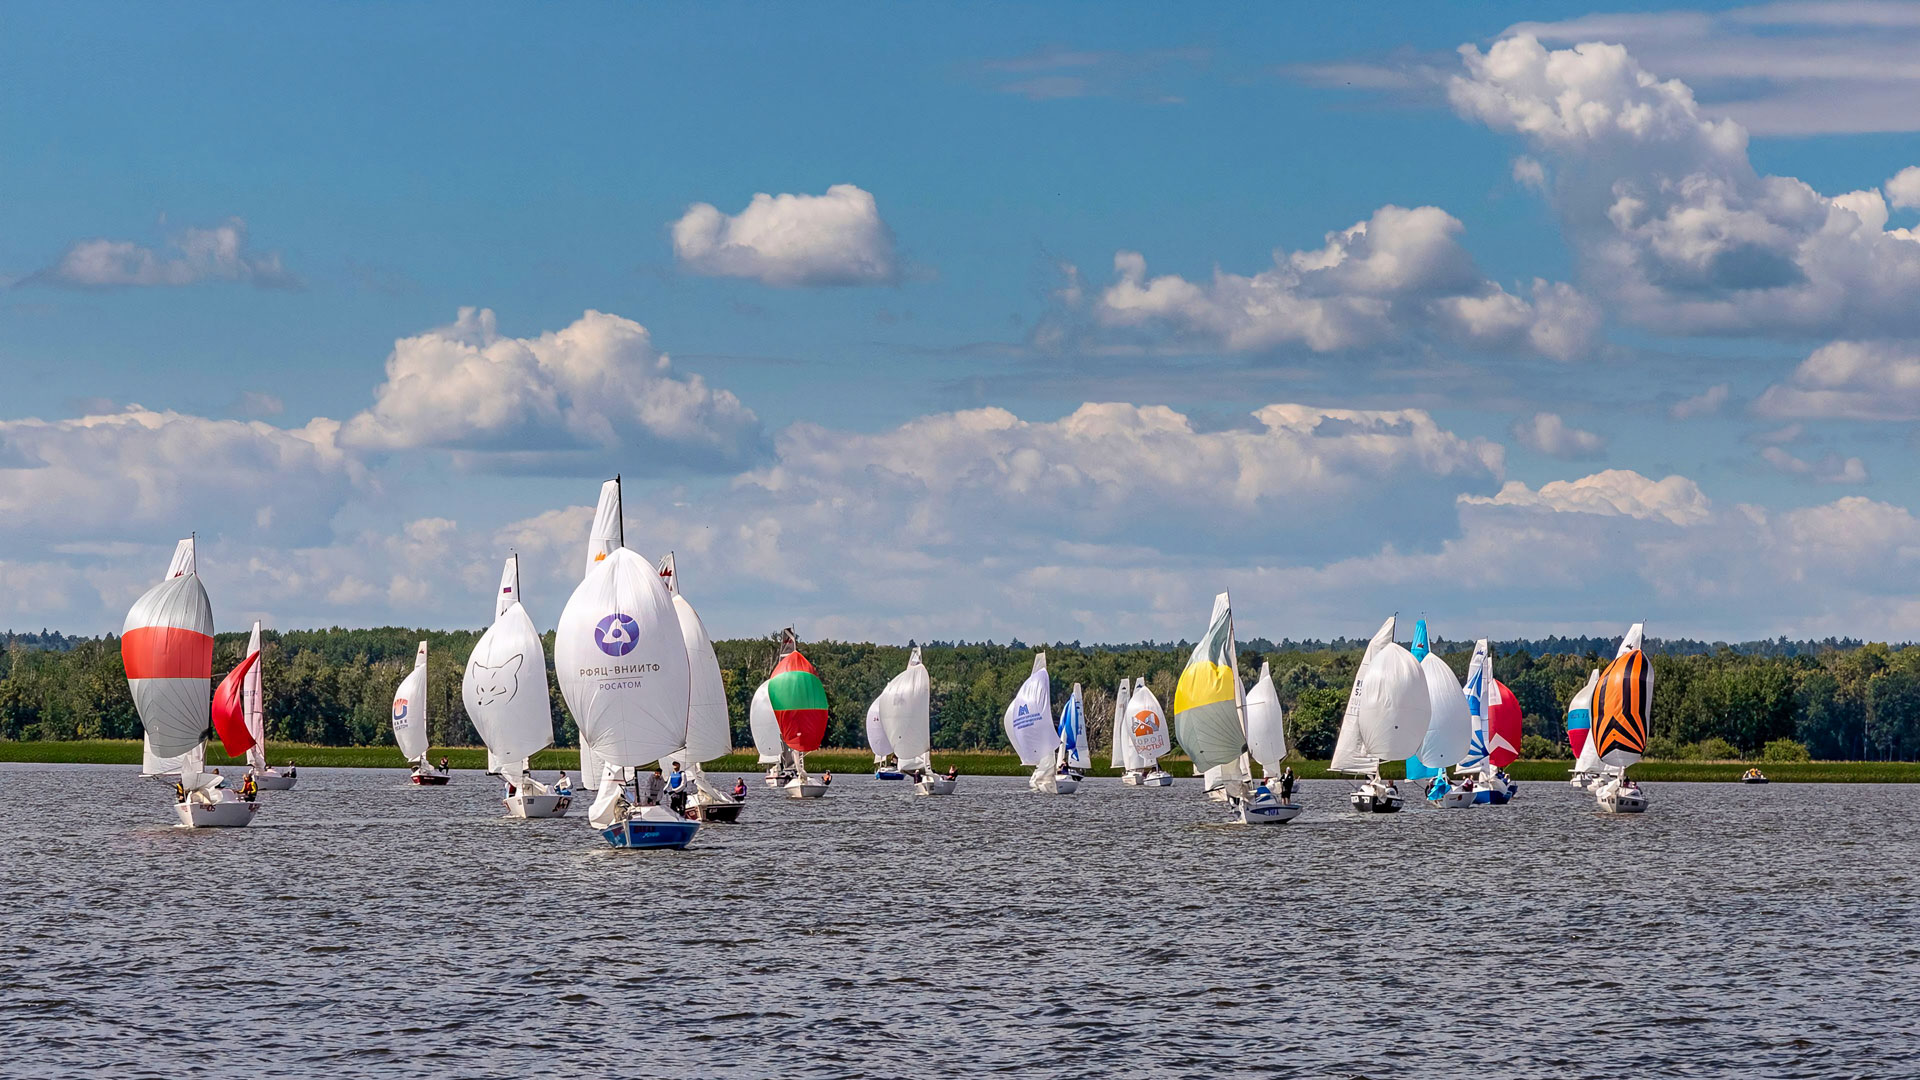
(1837, 699)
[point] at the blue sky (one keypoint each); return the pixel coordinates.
(238, 220)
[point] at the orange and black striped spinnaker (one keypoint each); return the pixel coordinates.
(1620, 704)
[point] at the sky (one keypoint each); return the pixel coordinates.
(970, 322)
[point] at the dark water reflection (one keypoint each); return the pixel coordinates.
(365, 927)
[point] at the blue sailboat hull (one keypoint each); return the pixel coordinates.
(642, 834)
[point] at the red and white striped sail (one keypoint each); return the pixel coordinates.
(253, 703)
(167, 647)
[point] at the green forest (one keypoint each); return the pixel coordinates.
(1781, 701)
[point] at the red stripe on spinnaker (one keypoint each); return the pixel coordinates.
(167, 652)
(229, 711)
(802, 729)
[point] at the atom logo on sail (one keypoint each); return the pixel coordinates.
(617, 634)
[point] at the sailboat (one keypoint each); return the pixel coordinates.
(709, 729)
(884, 767)
(505, 689)
(1622, 711)
(1029, 724)
(1210, 717)
(1266, 744)
(1449, 729)
(1387, 715)
(166, 646)
(410, 722)
(1586, 759)
(1495, 741)
(800, 707)
(623, 671)
(1071, 758)
(253, 710)
(905, 711)
(1140, 731)
(773, 753)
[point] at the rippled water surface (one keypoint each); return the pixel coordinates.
(365, 927)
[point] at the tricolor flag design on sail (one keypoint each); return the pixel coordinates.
(1207, 701)
(1622, 700)
(166, 645)
(1580, 715)
(799, 702)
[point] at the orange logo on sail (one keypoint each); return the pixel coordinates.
(1145, 722)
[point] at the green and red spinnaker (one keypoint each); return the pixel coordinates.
(799, 703)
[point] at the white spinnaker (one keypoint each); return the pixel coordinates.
(410, 709)
(877, 732)
(253, 705)
(609, 530)
(1266, 724)
(765, 726)
(1122, 756)
(906, 712)
(592, 767)
(622, 663)
(1148, 723)
(709, 729)
(1394, 721)
(505, 685)
(1029, 718)
(1351, 754)
(1449, 728)
(173, 619)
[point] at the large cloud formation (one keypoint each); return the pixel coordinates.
(559, 402)
(1400, 275)
(1850, 380)
(1666, 213)
(791, 240)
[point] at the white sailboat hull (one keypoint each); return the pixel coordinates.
(274, 781)
(805, 789)
(1053, 783)
(1156, 778)
(1613, 799)
(226, 814)
(1376, 797)
(1456, 798)
(537, 806)
(935, 787)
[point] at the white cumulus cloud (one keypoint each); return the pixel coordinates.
(1903, 189)
(1705, 403)
(219, 253)
(791, 240)
(1549, 434)
(1831, 468)
(1402, 274)
(564, 401)
(1849, 380)
(1667, 215)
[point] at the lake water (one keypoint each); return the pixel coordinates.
(365, 927)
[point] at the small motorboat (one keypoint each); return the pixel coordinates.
(1753, 776)
(1376, 796)
(1620, 796)
(935, 785)
(650, 827)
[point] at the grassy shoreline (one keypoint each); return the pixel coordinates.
(972, 763)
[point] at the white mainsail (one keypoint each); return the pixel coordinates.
(906, 714)
(609, 530)
(1029, 718)
(1449, 728)
(1123, 755)
(619, 654)
(709, 729)
(253, 706)
(410, 709)
(765, 726)
(166, 645)
(877, 733)
(1266, 724)
(505, 684)
(1147, 722)
(1350, 752)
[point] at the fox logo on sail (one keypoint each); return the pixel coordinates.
(617, 634)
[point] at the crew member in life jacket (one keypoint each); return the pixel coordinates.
(739, 789)
(249, 788)
(179, 792)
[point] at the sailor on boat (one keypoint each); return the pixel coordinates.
(827, 778)
(739, 789)
(248, 788)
